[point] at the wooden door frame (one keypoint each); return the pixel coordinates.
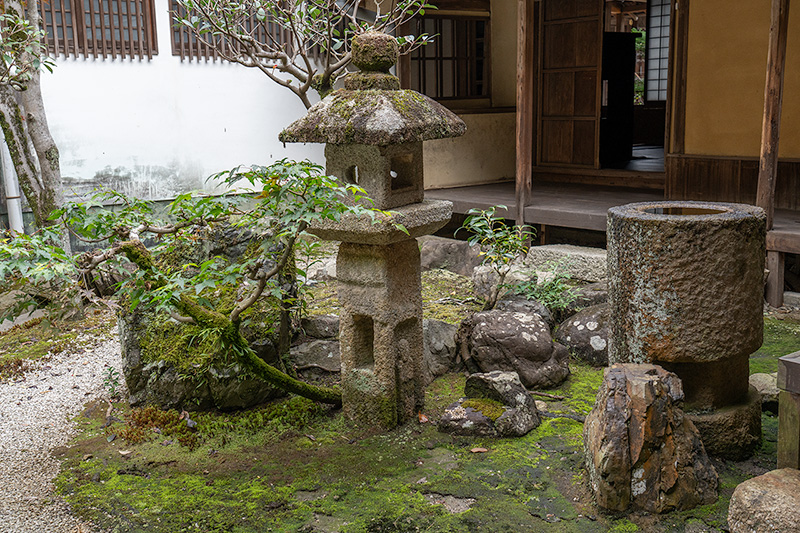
(529, 49)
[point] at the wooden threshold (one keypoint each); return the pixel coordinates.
(785, 233)
(603, 177)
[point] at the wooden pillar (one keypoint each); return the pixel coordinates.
(770, 131)
(773, 97)
(775, 265)
(525, 104)
(789, 411)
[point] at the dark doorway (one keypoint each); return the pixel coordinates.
(634, 84)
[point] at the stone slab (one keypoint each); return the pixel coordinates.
(789, 373)
(581, 262)
(791, 299)
(418, 219)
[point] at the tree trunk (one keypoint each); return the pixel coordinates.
(41, 197)
(23, 121)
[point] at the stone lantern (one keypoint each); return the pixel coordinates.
(373, 132)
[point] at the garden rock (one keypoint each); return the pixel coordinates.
(485, 279)
(767, 503)
(519, 342)
(641, 451)
(516, 303)
(321, 326)
(449, 254)
(439, 349)
(580, 262)
(322, 269)
(585, 334)
(230, 388)
(221, 385)
(767, 387)
(587, 296)
(496, 404)
(318, 354)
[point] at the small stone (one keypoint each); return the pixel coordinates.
(767, 387)
(586, 333)
(509, 411)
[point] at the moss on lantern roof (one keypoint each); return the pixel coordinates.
(374, 117)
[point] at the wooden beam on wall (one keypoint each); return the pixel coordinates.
(526, 34)
(773, 99)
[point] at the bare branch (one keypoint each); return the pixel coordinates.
(264, 277)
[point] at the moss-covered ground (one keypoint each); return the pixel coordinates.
(781, 337)
(36, 339)
(292, 465)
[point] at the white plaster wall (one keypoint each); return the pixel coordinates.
(159, 127)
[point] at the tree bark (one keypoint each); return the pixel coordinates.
(41, 198)
(24, 124)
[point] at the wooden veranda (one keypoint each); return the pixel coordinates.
(585, 207)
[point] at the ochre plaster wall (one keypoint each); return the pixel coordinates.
(483, 155)
(504, 52)
(486, 153)
(726, 71)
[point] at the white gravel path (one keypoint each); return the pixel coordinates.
(35, 414)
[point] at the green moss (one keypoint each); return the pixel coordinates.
(37, 338)
(781, 337)
(491, 409)
(138, 254)
(624, 526)
(448, 297)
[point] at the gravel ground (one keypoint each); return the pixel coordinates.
(35, 418)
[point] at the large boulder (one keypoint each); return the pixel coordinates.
(449, 254)
(641, 451)
(517, 303)
(439, 349)
(518, 342)
(767, 503)
(496, 405)
(321, 326)
(170, 384)
(585, 334)
(177, 365)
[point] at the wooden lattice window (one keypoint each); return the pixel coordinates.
(186, 45)
(100, 28)
(658, 15)
(456, 64)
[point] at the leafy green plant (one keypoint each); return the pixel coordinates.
(500, 243)
(111, 381)
(278, 202)
(552, 290)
